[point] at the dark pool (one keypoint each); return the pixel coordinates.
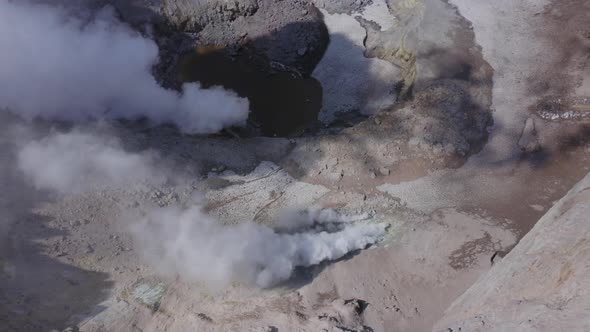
(282, 103)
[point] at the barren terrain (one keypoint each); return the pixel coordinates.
(446, 130)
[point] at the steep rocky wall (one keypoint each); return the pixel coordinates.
(342, 6)
(195, 14)
(542, 284)
(291, 33)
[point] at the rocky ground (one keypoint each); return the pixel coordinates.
(540, 284)
(434, 121)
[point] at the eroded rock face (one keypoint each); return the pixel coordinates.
(542, 284)
(291, 33)
(194, 15)
(342, 6)
(263, 50)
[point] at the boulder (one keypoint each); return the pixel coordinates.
(290, 33)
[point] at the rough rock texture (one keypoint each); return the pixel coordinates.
(342, 6)
(446, 116)
(542, 284)
(442, 125)
(196, 14)
(263, 50)
(446, 120)
(291, 33)
(352, 82)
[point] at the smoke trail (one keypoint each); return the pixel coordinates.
(56, 66)
(192, 245)
(75, 162)
(184, 241)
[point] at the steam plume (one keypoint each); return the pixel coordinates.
(192, 245)
(77, 162)
(184, 241)
(59, 67)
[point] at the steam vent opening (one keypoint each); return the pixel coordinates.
(282, 101)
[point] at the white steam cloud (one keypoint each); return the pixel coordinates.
(77, 162)
(58, 67)
(184, 241)
(192, 245)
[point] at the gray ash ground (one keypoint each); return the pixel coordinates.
(67, 262)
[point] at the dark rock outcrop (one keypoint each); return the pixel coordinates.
(342, 6)
(263, 50)
(290, 33)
